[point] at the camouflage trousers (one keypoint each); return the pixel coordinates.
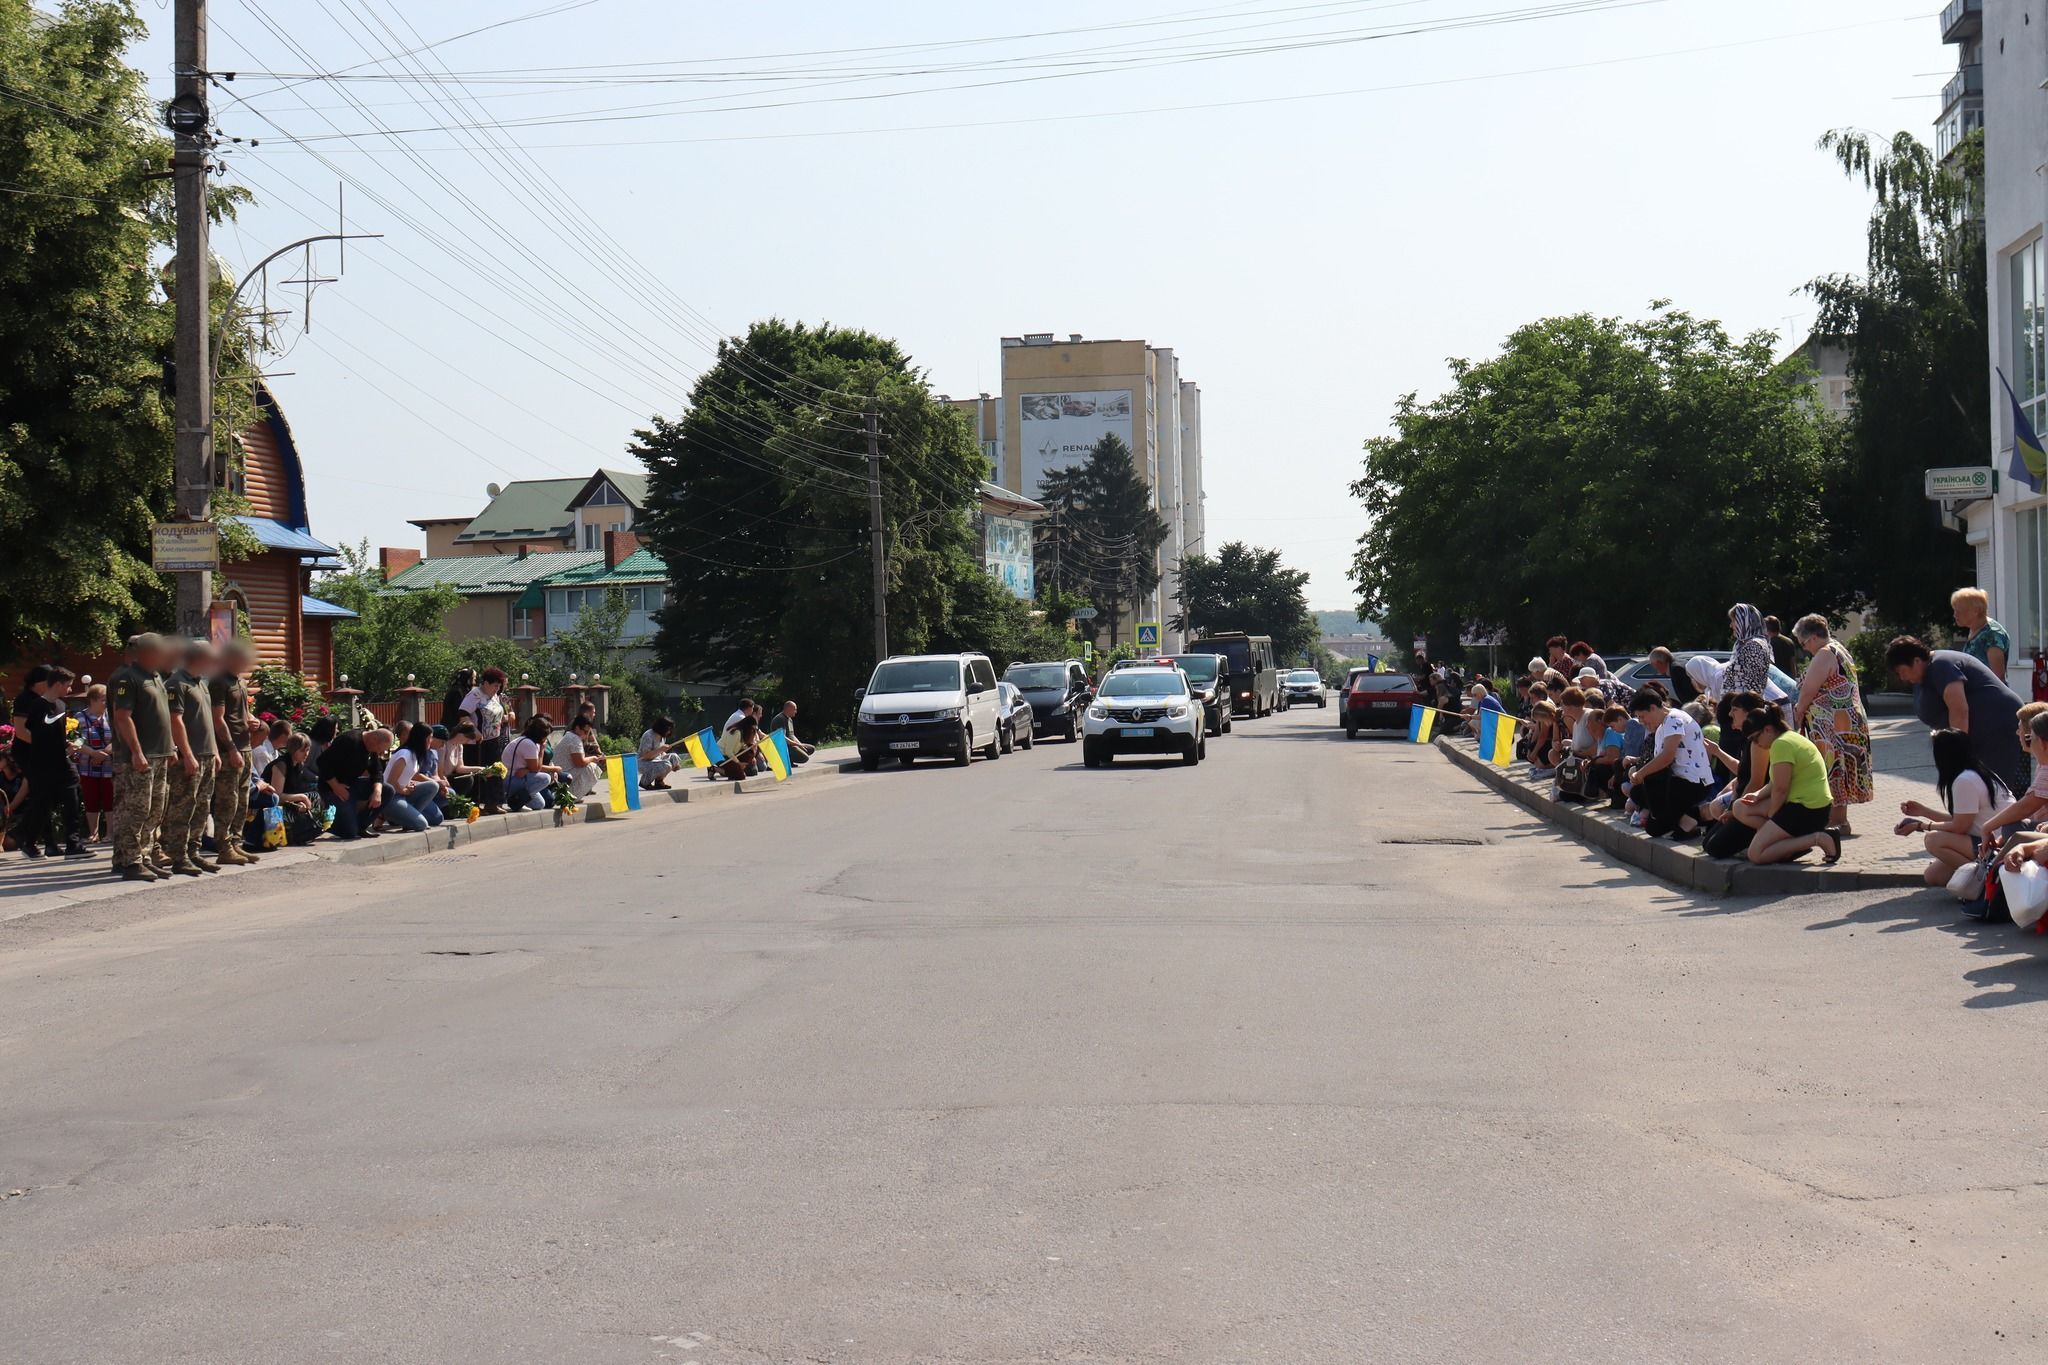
(139, 803)
(231, 803)
(191, 801)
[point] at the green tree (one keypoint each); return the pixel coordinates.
(1914, 325)
(592, 645)
(1247, 588)
(1102, 538)
(757, 500)
(394, 634)
(1621, 482)
(85, 331)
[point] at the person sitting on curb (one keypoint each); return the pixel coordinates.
(785, 721)
(1796, 802)
(2029, 804)
(351, 769)
(1677, 778)
(527, 774)
(1971, 794)
(657, 752)
(741, 747)
(578, 758)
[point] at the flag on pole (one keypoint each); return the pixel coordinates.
(1372, 663)
(1497, 738)
(630, 765)
(1421, 720)
(775, 753)
(2029, 459)
(615, 786)
(702, 747)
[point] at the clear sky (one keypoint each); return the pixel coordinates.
(1310, 256)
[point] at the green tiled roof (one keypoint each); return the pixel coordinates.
(528, 507)
(641, 566)
(484, 575)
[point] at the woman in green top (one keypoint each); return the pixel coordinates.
(1984, 639)
(1796, 801)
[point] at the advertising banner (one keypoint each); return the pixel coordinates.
(1007, 551)
(1056, 430)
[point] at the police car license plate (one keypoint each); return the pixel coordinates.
(1138, 732)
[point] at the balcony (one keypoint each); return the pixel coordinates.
(1962, 20)
(1966, 83)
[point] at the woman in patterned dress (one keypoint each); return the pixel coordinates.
(1830, 713)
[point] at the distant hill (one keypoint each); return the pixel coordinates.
(1345, 623)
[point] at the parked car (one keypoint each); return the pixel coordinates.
(1378, 701)
(929, 704)
(1058, 692)
(1016, 716)
(1143, 710)
(1302, 686)
(1209, 680)
(1635, 674)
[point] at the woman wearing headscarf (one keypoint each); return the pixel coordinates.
(1706, 673)
(1749, 670)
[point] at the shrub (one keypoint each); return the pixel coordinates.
(280, 691)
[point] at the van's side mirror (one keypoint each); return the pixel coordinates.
(859, 692)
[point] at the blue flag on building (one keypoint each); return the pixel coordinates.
(2029, 460)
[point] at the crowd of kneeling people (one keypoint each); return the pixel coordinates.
(169, 764)
(1724, 752)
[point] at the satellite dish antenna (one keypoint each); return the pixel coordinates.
(493, 489)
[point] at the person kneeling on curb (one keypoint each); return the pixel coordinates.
(1678, 777)
(1796, 802)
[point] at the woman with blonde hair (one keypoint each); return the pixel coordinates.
(1830, 713)
(1985, 640)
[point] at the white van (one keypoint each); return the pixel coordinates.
(920, 705)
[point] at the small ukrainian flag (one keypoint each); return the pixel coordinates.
(615, 786)
(775, 753)
(1497, 738)
(702, 747)
(1421, 720)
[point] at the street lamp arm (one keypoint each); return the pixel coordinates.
(227, 314)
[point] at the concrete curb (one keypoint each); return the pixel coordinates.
(1681, 864)
(391, 848)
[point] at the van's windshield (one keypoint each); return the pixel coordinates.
(1239, 652)
(1037, 677)
(1200, 668)
(916, 675)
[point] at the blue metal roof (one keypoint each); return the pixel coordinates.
(275, 535)
(313, 606)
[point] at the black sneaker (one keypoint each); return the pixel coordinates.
(31, 851)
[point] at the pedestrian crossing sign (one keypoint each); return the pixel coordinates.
(1148, 635)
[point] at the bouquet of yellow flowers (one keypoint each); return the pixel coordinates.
(70, 726)
(495, 770)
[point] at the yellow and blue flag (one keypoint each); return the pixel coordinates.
(615, 785)
(1421, 720)
(2029, 459)
(1497, 738)
(775, 753)
(703, 748)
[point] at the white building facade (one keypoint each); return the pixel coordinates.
(2010, 532)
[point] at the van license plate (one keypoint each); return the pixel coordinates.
(1140, 732)
(906, 744)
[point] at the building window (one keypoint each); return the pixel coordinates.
(605, 496)
(2029, 335)
(592, 537)
(525, 623)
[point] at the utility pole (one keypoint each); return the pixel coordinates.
(189, 121)
(877, 551)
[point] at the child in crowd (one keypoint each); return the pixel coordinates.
(1608, 770)
(96, 765)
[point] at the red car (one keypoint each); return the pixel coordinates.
(1377, 701)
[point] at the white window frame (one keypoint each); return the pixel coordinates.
(523, 623)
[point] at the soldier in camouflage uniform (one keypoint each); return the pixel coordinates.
(192, 775)
(231, 729)
(142, 753)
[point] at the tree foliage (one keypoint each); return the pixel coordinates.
(757, 502)
(1623, 482)
(1914, 325)
(1101, 541)
(393, 634)
(86, 331)
(1247, 588)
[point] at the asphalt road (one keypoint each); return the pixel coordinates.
(1023, 1062)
